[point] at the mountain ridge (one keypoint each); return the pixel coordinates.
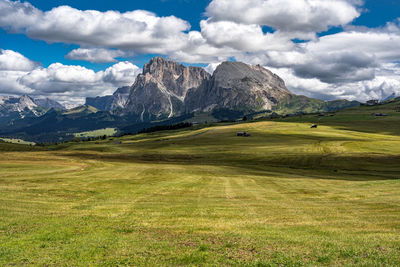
(168, 92)
(166, 89)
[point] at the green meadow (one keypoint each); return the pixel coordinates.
(96, 133)
(288, 195)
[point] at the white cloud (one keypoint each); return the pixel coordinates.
(212, 67)
(359, 63)
(198, 50)
(384, 45)
(299, 18)
(242, 37)
(59, 78)
(12, 66)
(380, 87)
(138, 30)
(14, 61)
(121, 74)
(9, 84)
(19, 75)
(95, 55)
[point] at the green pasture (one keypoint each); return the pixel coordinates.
(288, 195)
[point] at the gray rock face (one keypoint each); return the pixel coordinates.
(238, 86)
(120, 97)
(48, 103)
(100, 102)
(18, 106)
(166, 89)
(14, 108)
(160, 91)
(110, 102)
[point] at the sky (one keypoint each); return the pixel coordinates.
(327, 49)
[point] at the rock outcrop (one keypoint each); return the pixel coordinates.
(166, 89)
(110, 102)
(238, 86)
(13, 108)
(17, 104)
(48, 103)
(160, 91)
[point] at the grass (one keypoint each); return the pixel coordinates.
(96, 133)
(17, 141)
(287, 196)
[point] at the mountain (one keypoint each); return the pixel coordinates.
(165, 93)
(160, 91)
(168, 89)
(48, 103)
(238, 86)
(302, 104)
(13, 108)
(110, 102)
(17, 104)
(58, 125)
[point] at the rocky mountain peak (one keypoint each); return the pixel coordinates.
(158, 64)
(231, 72)
(48, 103)
(236, 85)
(123, 90)
(24, 102)
(161, 90)
(166, 89)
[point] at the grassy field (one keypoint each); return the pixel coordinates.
(287, 196)
(96, 133)
(16, 141)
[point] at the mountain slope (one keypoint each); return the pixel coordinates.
(48, 103)
(110, 102)
(238, 86)
(56, 125)
(168, 89)
(160, 91)
(302, 104)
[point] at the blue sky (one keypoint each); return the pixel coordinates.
(326, 49)
(376, 13)
(45, 53)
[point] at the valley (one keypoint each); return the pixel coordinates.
(289, 195)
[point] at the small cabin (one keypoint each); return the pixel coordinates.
(379, 114)
(243, 134)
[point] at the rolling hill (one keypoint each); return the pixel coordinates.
(289, 195)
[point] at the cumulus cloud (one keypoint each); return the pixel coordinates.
(380, 87)
(19, 75)
(198, 50)
(12, 66)
(120, 74)
(95, 55)
(9, 84)
(358, 63)
(231, 34)
(299, 18)
(14, 61)
(59, 78)
(137, 30)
